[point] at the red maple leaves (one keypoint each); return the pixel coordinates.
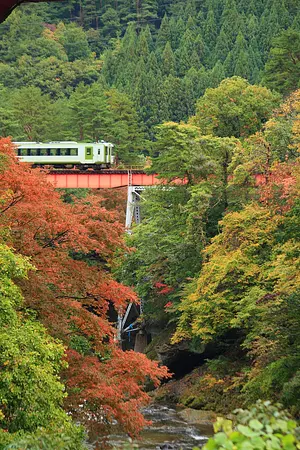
(71, 246)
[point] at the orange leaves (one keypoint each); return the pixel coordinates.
(116, 385)
(163, 289)
(72, 246)
(281, 189)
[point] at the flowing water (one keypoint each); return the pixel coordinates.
(167, 432)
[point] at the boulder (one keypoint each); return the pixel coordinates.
(194, 416)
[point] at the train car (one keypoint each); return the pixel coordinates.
(66, 154)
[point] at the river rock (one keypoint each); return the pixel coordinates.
(194, 416)
(168, 447)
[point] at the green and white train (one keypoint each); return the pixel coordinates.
(66, 154)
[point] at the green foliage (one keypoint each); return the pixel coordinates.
(282, 70)
(235, 108)
(80, 344)
(178, 153)
(74, 41)
(141, 45)
(31, 393)
(264, 426)
(67, 437)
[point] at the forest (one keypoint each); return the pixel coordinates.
(209, 92)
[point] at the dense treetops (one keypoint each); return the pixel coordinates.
(158, 58)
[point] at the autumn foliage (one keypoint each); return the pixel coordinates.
(71, 246)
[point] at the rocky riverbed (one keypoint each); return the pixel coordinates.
(171, 429)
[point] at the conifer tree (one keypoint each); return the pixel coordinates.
(174, 97)
(195, 83)
(296, 22)
(142, 49)
(91, 13)
(222, 47)
(231, 20)
(216, 75)
(177, 32)
(147, 92)
(148, 36)
(210, 29)
(241, 58)
(274, 17)
(164, 34)
(282, 71)
(190, 9)
(168, 60)
(174, 35)
(125, 131)
(111, 24)
(75, 42)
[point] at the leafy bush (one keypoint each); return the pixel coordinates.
(264, 426)
(68, 437)
(291, 392)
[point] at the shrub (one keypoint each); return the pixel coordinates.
(264, 426)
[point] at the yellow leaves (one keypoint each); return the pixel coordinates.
(285, 269)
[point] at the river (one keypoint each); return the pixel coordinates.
(168, 431)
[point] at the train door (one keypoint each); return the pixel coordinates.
(89, 153)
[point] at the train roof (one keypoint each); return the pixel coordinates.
(60, 143)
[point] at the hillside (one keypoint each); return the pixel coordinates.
(146, 62)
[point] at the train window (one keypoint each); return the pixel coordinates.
(43, 152)
(19, 152)
(65, 151)
(74, 151)
(53, 151)
(23, 152)
(33, 152)
(99, 151)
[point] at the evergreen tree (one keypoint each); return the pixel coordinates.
(74, 41)
(177, 30)
(174, 95)
(296, 22)
(222, 47)
(168, 60)
(111, 24)
(195, 83)
(240, 56)
(124, 131)
(216, 75)
(190, 9)
(210, 30)
(164, 34)
(142, 49)
(274, 17)
(148, 36)
(147, 92)
(282, 71)
(33, 114)
(185, 52)
(231, 20)
(90, 117)
(91, 13)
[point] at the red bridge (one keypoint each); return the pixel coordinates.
(107, 179)
(101, 180)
